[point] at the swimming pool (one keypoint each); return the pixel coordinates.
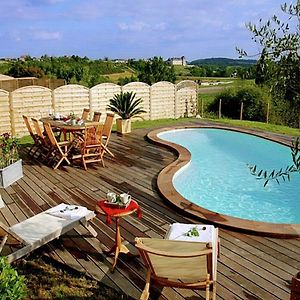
(215, 182)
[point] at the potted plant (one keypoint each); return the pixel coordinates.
(73, 118)
(10, 164)
(126, 106)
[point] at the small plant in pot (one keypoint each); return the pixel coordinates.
(10, 164)
(126, 106)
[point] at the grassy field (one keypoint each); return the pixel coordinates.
(116, 76)
(46, 279)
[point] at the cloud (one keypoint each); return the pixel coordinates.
(33, 34)
(139, 26)
(42, 2)
(46, 35)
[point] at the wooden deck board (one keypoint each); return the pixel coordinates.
(250, 267)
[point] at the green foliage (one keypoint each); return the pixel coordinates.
(225, 62)
(280, 41)
(73, 69)
(125, 105)
(254, 103)
(193, 232)
(12, 285)
(20, 69)
(156, 70)
(8, 150)
(125, 80)
(283, 173)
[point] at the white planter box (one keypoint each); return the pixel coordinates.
(123, 126)
(11, 173)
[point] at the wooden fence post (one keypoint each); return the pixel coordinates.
(241, 112)
(12, 115)
(268, 111)
(220, 108)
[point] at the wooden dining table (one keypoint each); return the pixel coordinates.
(65, 127)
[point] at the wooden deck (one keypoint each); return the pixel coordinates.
(250, 267)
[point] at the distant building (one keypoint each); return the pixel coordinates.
(177, 61)
(120, 60)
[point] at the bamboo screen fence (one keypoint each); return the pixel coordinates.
(161, 100)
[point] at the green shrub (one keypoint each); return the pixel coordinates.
(254, 100)
(12, 285)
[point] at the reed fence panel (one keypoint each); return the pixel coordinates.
(161, 100)
(100, 95)
(71, 98)
(162, 104)
(186, 102)
(33, 101)
(142, 90)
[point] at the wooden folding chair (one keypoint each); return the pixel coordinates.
(45, 144)
(41, 229)
(107, 132)
(59, 150)
(91, 146)
(85, 114)
(177, 264)
(96, 117)
(36, 145)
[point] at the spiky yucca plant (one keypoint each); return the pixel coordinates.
(125, 105)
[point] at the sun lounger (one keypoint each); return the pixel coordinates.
(43, 228)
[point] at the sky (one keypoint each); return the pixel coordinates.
(130, 28)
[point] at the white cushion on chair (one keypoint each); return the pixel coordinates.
(178, 231)
(207, 234)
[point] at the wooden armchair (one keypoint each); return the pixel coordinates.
(90, 145)
(45, 144)
(59, 150)
(177, 264)
(36, 146)
(96, 117)
(85, 114)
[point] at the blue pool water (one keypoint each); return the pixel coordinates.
(218, 178)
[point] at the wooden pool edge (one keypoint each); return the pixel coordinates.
(169, 193)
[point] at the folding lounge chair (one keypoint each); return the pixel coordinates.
(43, 228)
(178, 264)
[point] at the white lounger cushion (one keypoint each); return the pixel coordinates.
(44, 227)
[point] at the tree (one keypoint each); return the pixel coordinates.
(280, 69)
(156, 70)
(280, 60)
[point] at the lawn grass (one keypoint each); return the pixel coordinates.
(247, 124)
(46, 279)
